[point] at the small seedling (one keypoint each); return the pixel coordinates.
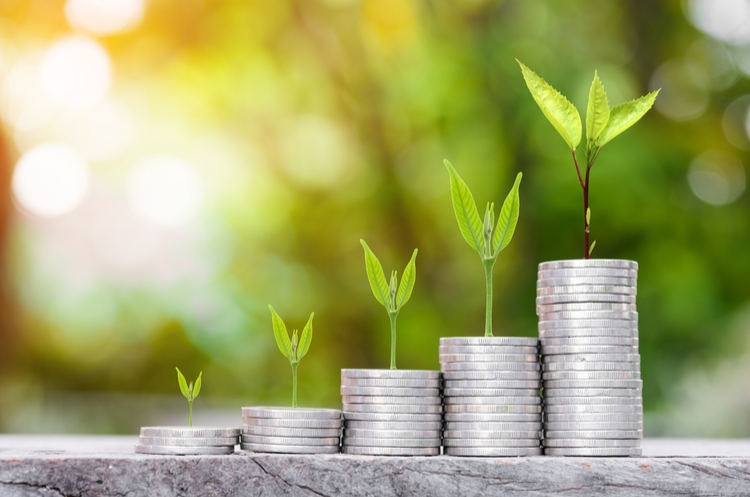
(189, 391)
(602, 125)
(293, 349)
(479, 235)
(392, 296)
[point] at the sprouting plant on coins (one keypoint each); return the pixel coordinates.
(602, 125)
(293, 349)
(391, 295)
(189, 391)
(481, 236)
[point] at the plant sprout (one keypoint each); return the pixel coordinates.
(480, 235)
(293, 349)
(602, 125)
(189, 391)
(392, 296)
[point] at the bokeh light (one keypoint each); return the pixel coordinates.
(104, 17)
(717, 177)
(681, 97)
(726, 20)
(101, 132)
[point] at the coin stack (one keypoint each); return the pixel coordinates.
(183, 441)
(492, 396)
(591, 369)
(291, 430)
(391, 412)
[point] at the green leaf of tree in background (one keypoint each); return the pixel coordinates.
(623, 116)
(282, 336)
(376, 277)
(408, 279)
(306, 338)
(183, 384)
(558, 110)
(506, 223)
(466, 211)
(597, 111)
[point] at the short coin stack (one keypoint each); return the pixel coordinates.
(184, 441)
(291, 430)
(491, 390)
(391, 412)
(588, 326)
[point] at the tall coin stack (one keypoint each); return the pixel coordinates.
(291, 430)
(588, 325)
(184, 441)
(391, 412)
(491, 390)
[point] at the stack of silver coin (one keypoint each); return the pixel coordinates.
(588, 325)
(183, 441)
(491, 390)
(291, 430)
(391, 412)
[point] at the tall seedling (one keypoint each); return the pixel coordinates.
(190, 392)
(480, 235)
(391, 295)
(293, 349)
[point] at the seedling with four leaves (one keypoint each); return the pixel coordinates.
(293, 349)
(189, 391)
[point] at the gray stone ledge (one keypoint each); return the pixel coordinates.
(106, 466)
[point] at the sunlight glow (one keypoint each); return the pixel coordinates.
(104, 17)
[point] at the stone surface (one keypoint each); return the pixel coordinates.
(106, 466)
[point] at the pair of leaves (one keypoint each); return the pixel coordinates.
(469, 222)
(392, 296)
(293, 349)
(189, 391)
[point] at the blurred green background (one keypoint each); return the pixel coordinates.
(171, 167)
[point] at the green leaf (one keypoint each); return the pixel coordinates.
(183, 384)
(506, 224)
(408, 279)
(623, 116)
(466, 211)
(591, 249)
(282, 336)
(306, 340)
(597, 112)
(197, 387)
(588, 215)
(375, 275)
(561, 113)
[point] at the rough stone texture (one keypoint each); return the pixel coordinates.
(107, 466)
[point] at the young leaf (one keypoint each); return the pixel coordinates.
(282, 336)
(197, 387)
(306, 339)
(183, 384)
(588, 215)
(623, 116)
(375, 275)
(506, 224)
(561, 113)
(408, 279)
(466, 211)
(591, 248)
(597, 112)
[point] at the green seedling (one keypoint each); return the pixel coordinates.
(293, 349)
(391, 295)
(189, 391)
(602, 125)
(480, 235)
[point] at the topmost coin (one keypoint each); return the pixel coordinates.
(588, 272)
(390, 373)
(588, 263)
(496, 341)
(290, 413)
(188, 432)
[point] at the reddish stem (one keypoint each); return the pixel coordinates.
(580, 178)
(585, 213)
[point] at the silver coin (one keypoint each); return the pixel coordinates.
(489, 384)
(496, 409)
(587, 323)
(619, 434)
(595, 451)
(491, 442)
(550, 393)
(290, 413)
(259, 439)
(391, 451)
(587, 273)
(272, 431)
(183, 432)
(502, 417)
(405, 374)
(291, 449)
(592, 366)
(585, 280)
(589, 332)
(586, 289)
(590, 342)
(589, 349)
(393, 425)
(596, 426)
(594, 417)
(589, 264)
(590, 442)
(568, 358)
(490, 341)
(489, 366)
(386, 383)
(391, 442)
(474, 426)
(493, 451)
(554, 384)
(491, 392)
(170, 450)
(496, 434)
(394, 408)
(491, 375)
(589, 298)
(592, 375)
(374, 399)
(399, 434)
(463, 358)
(390, 392)
(498, 401)
(189, 441)
(392, 417)
(585, 306)
(294, 423)
(556, 316)
(487, 349)
(593, 408)
(593, 401)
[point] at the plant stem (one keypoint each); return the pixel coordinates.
(586, 226)
(294, 385)
(488, 263)
(393, 316)
(190, 403)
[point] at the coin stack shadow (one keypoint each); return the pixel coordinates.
(291, 430)
(491, 390)
(184, 441)
(391, 412)
(588, 325)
